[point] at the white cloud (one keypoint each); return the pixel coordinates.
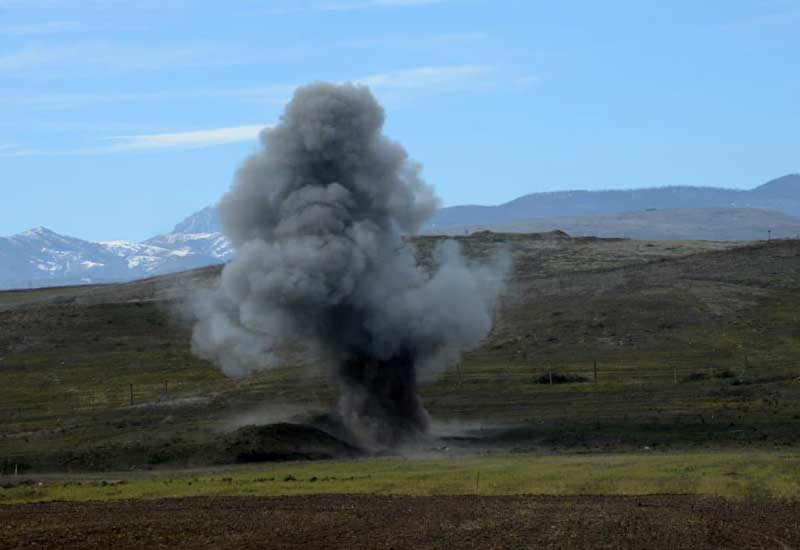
(184, 140)
(404, 2)
(10, 151)
(367, 4)
(288, 7)
(432, 79)
(25, 59)
(194, 139)
(35, 29)
(402, 84)
(406, 42)
(775, 19)
(439, 78)
(273, 94)
(107, 58)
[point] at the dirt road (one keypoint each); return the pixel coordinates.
(385, 522)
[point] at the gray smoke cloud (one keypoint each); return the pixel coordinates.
(316, 216)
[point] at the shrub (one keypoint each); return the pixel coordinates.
(559, 378)
(695, 377)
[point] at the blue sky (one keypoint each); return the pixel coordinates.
(119, 118)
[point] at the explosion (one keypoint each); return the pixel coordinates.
(317, 217)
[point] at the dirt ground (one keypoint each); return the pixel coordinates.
(384, 522)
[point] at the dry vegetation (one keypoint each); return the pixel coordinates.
(696, 345)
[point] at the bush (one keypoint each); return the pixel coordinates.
(727, 373)
(695, 377)
(704, 375)
(559, 378)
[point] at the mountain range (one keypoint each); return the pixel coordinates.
(41, 257)
(676, 224)
(781, 194)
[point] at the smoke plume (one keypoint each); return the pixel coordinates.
(316, 217)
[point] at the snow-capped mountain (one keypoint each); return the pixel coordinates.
(41, 257)
(213, 245)
(204, 221)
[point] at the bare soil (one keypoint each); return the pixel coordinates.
(459, 522)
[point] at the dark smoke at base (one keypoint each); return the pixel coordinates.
(379, 402)
(316, 217)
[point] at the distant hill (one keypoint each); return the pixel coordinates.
(41, 257)
(670, 345)
(710, 224)
(781, 194)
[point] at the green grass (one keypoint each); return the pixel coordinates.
(68, 357)
(740, 475)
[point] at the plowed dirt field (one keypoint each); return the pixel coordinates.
(384, 522)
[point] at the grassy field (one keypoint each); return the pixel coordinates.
(735, 475)
(696, 346)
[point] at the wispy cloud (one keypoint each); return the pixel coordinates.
(37, 29)
(299, 6)
(367, 4)
(184, 140)
(10, 151)
(194, 139)
(400, 84)
(404, 2)
(271, 94)
(106, 58)
(433, 79)
(778, 13)
(414, 42)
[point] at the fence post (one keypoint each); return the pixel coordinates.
(595, 371)
(131, 391)
(674, 374)
(551, 377)
(166, 391)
